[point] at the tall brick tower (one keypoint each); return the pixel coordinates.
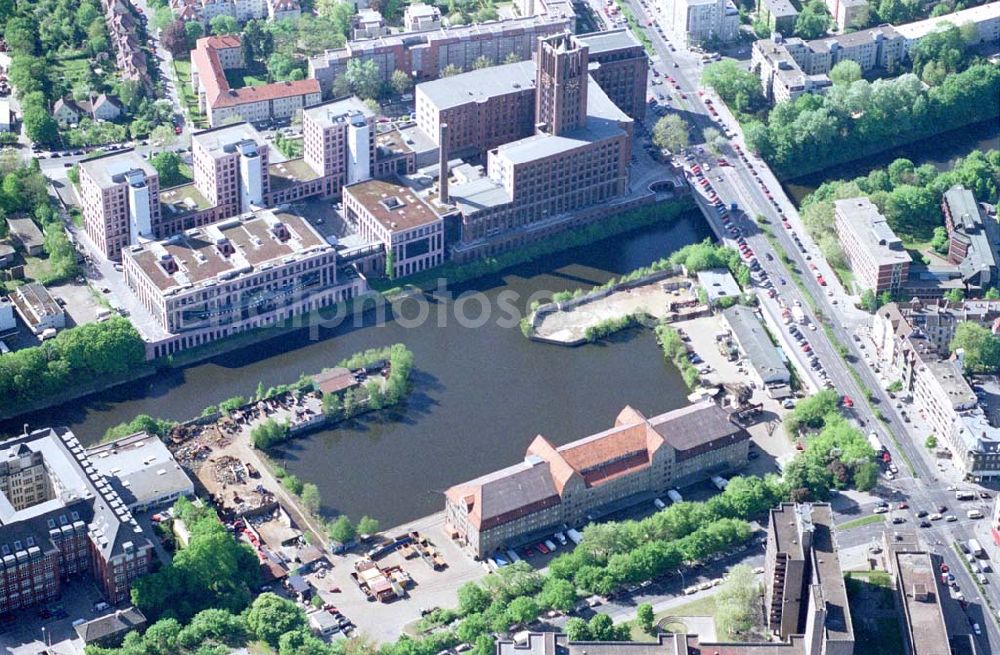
(561, 96)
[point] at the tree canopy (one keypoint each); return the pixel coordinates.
(980, 346)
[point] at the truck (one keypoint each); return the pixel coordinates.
(674, 496)
(964, 494)
(976, 549)
(574, 536)
(799, 315)
(719, 482)
(874, 442)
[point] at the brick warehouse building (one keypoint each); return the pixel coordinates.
(566, 485)
(60, 518)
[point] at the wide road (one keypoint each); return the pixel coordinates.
(757, 192)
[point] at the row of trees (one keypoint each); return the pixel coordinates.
(704, 255)
(78, 356)
(814, 132)
(343, 531)
(908, 195)
(980, 346)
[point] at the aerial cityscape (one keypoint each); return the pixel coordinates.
(543, 327)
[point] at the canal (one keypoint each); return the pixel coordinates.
(941, 152)
(481, 393)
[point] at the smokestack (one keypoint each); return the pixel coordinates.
(443, 164)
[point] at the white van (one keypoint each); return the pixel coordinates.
(974, 514)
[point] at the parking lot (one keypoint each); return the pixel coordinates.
(52, 623)
(430, 589)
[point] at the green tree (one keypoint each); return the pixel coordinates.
(471, 628)
(268, 434)
(174, 37)
(644, 614)
(511, 58)
(363, 78)
(222, 25)
(194, 31)
(168, 166)
(992, 293)
(980, 346)
(342, 530)
(940, 242)
(557, 594)
(293, 484)
(258, 42)
(739, 88)
(714, 140)
(845, 73)
(481, 62)
(671, 133)
(813, 21)
(522, 610)
(271, 616)
(311, 498)
(367, 526)
(868, 301)
(576, 629)
(400, 82)
(931, 442)
(866, 476)
(955, 295)
(450, 70)
(738, 604)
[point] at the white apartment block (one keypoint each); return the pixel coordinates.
(701, 21)
(873, 251)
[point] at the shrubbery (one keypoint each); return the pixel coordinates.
(77, 356)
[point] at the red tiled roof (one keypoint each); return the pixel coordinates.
(211, 75)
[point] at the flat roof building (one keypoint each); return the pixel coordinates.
(418, 17)
(770, 371)
(37, 308)
(718, 284)
(637, 458)
(26, 234)
(848, 13)
(482, 108)
(694, 22)
(59, 517)
(407, 224)
(142, 470)
(620, 66)
(119, 193)
(911, 344)
(822, 628)
(779, 15)
(919, 594)
(248, 271)
(974, 239)
(424, 54)
(873, 251)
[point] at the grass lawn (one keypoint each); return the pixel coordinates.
(701, 607)
(857, 523)
(182, 69)
(240, 77)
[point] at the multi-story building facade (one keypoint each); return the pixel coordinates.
(408, 226)
(973, 240)
(911, 342)
(578, 158)
(214, 55)
(568, 484)
(246, 272)
(789, 67)
(418, 17)
(873, 251)
(821, 624)
(482, 108)
(60, 519)
(778, 15)
(848, 13)
(339, 142)
(619, 65)
(423, 55)
(696, 22)
(230, 166)
(119, 194)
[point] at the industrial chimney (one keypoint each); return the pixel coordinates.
(443, 164)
